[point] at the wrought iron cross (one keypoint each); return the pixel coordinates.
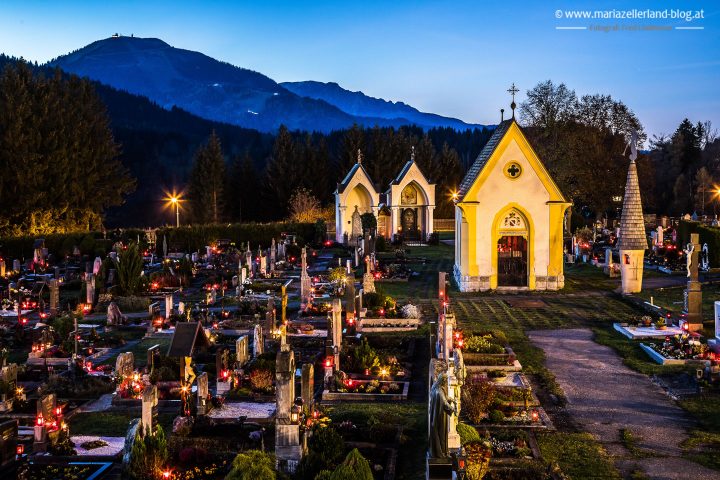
(512, 91)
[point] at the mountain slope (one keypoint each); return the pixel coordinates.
(359, 104)
(202, 85)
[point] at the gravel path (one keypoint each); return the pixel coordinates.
(605, 396)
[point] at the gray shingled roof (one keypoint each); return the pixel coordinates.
(187, 336)
(403, 172)
(484, 156)
(346, 181)
(632, 225)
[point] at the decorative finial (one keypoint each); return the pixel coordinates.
(512, 91)
(502, 115)
(359, 158)
(412, 153)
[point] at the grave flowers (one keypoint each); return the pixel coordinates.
(684, 346)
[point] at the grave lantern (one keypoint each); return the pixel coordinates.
(20, 449)
(295, 413)
(535, 416)
(39, 421)
(329, 361)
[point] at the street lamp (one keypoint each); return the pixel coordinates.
(175, 201)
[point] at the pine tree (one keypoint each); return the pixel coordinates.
(283, 174)
(206, 182)
(129, 265)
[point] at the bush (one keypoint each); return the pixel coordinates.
(433, 239)
(253, 465)
(373, 300)
(467, 433)
(325, 448)
(481, 344)
(496, 416)
(261, 379)
(354, 467)
(477, 398)
(192, 455)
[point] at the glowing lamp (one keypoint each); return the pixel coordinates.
(166, 474)
(215, 325)
(23, 321)
(58, 411)
(460, 343)
(329, 362)
(225, 374)
(382, 311)
(20, 449)
(295, 413)
(535, 416)
(351, 321)
(316, 414)
(686, 326)
(39, 421)
(383, 372)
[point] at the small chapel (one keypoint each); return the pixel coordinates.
(403, 211)
(509, 218)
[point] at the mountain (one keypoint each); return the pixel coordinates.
(219, 91)
(359, 104)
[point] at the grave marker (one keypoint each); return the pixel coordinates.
(241, 351)
(203, 390)
(149, 412)
(258, 341)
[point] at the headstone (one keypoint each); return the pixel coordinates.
(348, 266)
(356, 250)
(249, 261)
(241, 350)
(243, 275)
(153, 353)
(355, 227)
(608, 257)
(2, 267)
(273, 255)
(307, 386)
(208, 253)
(288, 444)
(222, 367)
(16, 265)
(263, 265)
(283, 305)
(149, 402)
(305, 283)
(125, 364)
(203, 390)
(114, 316)
(54, 295)
(270, 316)
(97, 265)
(258, 341)
(350, 301)
(169, 304)
(336, 329)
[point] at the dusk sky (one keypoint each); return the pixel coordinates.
(451, 58)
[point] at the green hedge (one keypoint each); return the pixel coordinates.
(196, 237)
(189, 238)
(709, 235)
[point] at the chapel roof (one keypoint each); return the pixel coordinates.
(632, 224)
(348, 178)
(482, 159)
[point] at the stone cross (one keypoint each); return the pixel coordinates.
(203, 406)
(149, 402)
(258, 341)
(288, 446)
(89, 289)
(169, 304)
(241, 350)
(307, 386)
(54, 295)
(125, 364)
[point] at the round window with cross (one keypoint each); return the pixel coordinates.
(513, 170)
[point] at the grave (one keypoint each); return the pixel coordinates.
(241, 351)
(288, 444)
(305, 283)
(258, 341)
(203, 394)
(693, 293)
(149, 410)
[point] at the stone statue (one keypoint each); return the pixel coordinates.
(689, 252)
(114, 316)
(441, 409)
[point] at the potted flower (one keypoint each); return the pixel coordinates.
(660, 324)
(646, 321)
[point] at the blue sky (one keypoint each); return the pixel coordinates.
(454, 58)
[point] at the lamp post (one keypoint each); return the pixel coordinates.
(175, 201)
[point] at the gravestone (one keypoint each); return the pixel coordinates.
(283, 305)
(335, 330)
(125, 364)
(258, 341)
(307, 387)
(243, 275)
(89, 289)
(288, 445)
(2, 267)
(222, 367)
(273, 256)
(149, 410)
(114, 316)
(153, 353)
(355, 227)
(356, 251)
(368, 278)
(714, 343)
(169, 304)
(97, 265)
(54, 295)
(442, 288)
(348, 266)
(350, 301)
(241, 351)
(203, 390)
(249, 261)
(608, 257)
(660, 237)
(693, 291)
(270, 316)
(16, 265)
(305, 283)
(181, 308)
(45, 409)
(263, 265)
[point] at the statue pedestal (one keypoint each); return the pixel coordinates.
(288, 446)
(694, 306)
(438, 469)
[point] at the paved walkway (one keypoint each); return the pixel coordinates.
(605, 396)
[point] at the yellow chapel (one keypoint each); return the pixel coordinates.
(509, 217)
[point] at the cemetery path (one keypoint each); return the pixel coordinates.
(604, 396)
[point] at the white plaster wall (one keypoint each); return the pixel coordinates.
(497, 193)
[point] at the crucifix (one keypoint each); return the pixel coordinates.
(512, 91)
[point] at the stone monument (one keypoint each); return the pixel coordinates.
(632, 242)
(288, 444)
(305, 283)
(241, 351)
(693, 292)
(258, 341)
(203, 394)
(368, 278)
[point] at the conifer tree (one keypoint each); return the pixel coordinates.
(206, 182)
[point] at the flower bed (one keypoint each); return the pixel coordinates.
(475, 362)
(368, 390)
(371, 325)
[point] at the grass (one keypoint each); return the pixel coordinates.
(671, 298)
(578, 455)
(111, 424)
(630, 442)
(703, 444)
(633, 356)
(140, 349)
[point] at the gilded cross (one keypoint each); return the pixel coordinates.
(513, 170)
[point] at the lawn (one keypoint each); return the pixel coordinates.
(140, 349)
(578, 455)
(671, 298)
(109, 424)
